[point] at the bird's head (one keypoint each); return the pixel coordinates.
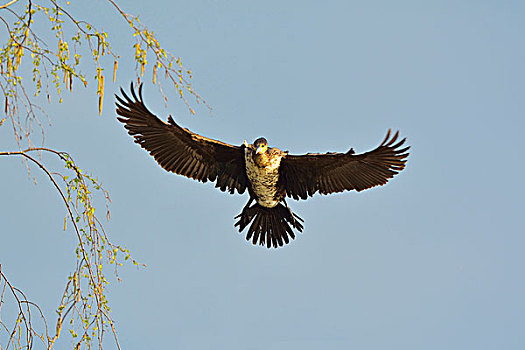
(261, 145)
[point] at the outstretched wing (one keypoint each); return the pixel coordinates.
(181, 151)
(302, 176)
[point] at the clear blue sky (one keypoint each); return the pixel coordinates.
(433, 260)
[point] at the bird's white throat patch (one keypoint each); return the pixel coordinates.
(263, 179)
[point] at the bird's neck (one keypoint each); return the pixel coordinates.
(261, 159)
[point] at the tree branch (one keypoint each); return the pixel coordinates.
(8, 4)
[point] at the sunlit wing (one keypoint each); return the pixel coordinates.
(181, 151)
(304, 175)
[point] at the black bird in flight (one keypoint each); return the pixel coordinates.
(268, 174)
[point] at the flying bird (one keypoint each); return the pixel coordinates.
(267, 173)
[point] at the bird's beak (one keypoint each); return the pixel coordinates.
(259, 150)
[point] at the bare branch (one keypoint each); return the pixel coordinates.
(8, 4)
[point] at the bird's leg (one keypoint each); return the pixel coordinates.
(295, 220)
(244, 216)
(247, 205)
(245, 209)
(292, 216)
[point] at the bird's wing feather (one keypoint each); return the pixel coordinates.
(181, 151)
(302, 176)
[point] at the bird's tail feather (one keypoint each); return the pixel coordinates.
(270, 226)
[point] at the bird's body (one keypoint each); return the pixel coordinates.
(269, 174)
(262, 170)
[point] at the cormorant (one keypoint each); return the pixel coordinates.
(268, 174)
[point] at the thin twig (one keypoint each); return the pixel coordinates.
(8, 4)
